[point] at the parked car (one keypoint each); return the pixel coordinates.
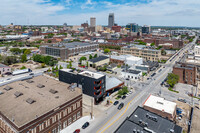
(130, 92)
(123, 97)
(31, 74)
(121, 106)
(116, 102)
(77, 131)
(181, 100)
(85, 125)
(127, 95)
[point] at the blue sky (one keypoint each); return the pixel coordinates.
(75, 12)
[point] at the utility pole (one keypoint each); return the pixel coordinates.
(91, 108)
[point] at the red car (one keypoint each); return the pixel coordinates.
(77, 131)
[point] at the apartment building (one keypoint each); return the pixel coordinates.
(91, 83)
(38, 105)
(143, 52)
(187, 73)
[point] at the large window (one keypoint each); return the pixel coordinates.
(78, 114)
(74, 117)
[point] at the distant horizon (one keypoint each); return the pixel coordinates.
(56, 12)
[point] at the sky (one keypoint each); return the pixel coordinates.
(75, 12)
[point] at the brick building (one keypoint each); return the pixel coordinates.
(160, 106)
(38, 105)
(187, 73)
(116, 28)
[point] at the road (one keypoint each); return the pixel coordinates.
(109, 120)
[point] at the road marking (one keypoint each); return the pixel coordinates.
(115, 115)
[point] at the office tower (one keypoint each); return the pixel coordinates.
(111, 20)
(132, 27)
(146, 29)
(92, 22)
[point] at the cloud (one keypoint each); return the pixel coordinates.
(151, 12)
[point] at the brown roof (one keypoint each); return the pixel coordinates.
(35, 100)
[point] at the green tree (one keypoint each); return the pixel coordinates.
(95, 56)
(106, 50)
(49, 41)
(15, 50)
(153, 44)
(163, 52)
(60, 67)
(43, 65)
(172, 79)
(23, 67)
(23, 58)
(82, 58)
(27, 51)
(90, 57)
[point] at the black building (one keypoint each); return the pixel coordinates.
(144, 121)
(92, 84)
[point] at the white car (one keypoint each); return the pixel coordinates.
(127, 95)
(130, 92)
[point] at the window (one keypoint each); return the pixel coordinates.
(69, 121)
(65, 124)
(69, 110)
(78, 104)
(54, 130)
(74, 106)
(78, 114)
(74, 117)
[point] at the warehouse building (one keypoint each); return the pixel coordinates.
(38, 105)
(144, 121)
(66, 50)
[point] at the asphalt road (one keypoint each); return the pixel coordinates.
(109, 120)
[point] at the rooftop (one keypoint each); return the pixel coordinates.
(29, 99)
(2, 65)
(125, 57)
(92, 74)
(160, 104)
(70, 45)
(100, 58)
(143, 121)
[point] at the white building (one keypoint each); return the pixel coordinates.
(132, 74)
(197, 52)
(128, 59)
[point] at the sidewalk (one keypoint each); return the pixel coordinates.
(77, 125)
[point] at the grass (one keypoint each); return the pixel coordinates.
(171, 89)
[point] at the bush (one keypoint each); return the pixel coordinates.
(23, 67)
(171, 89)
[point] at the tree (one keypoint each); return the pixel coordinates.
(60, 67)
(27, 51)
(23, 67)
(106, 50)
(90, 57)
(163, 52)
(82, 58)
(9, 60)
(49, 41)
(15, 50)
(153, 44)
(43, 65)
(23, 58)
(95, 56)
(172, 79)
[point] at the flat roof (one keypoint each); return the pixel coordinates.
(100, 58)
(146, 121)
(160, 104)
(125, 57)
(70, 45)
(91, 74)
(2, 65)
(36, 89)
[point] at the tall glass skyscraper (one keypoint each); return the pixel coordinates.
(132, 27)
(111, 20)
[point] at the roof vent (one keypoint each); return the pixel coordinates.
(8, 88)
(53, 91)
(40, 86)
(17, 94)
(29, 81)
(30, 101)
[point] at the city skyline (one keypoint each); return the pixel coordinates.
(75, 12)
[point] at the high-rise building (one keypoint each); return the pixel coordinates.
(92, 22)
(146, 29)
(132, 27)
(111, 20)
